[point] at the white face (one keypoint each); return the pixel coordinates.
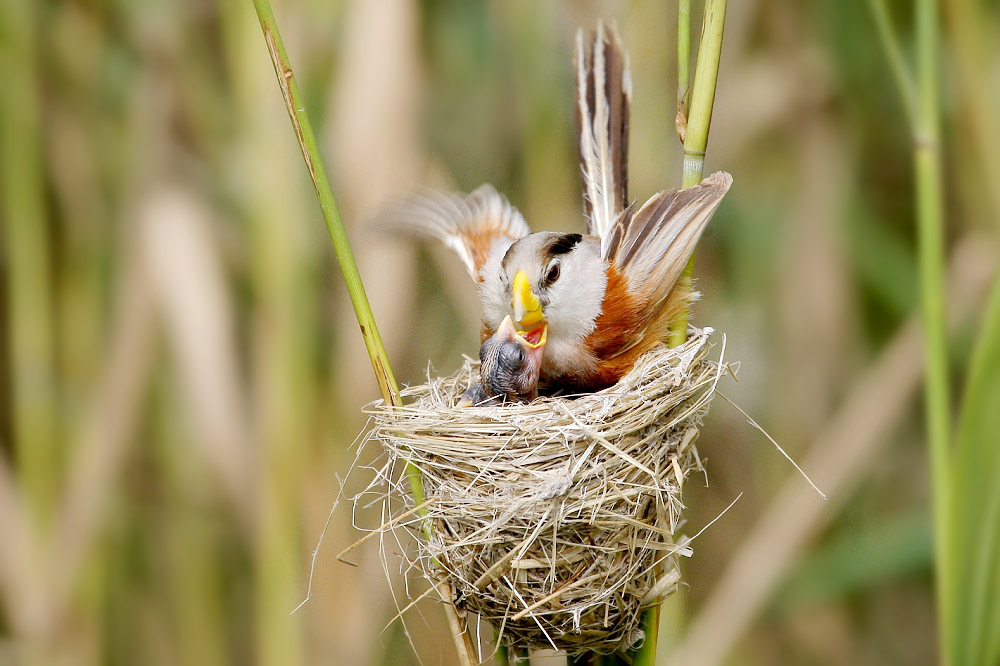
(565, 271)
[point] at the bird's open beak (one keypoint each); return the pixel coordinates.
(532, 340)
(527, 307)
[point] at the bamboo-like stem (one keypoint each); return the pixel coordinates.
(703, 93)
(697, 125)
(331, 213)
(920, 101)
(930, 234)
(27, 243)
(646, 654)
(352, 278)
(700, 120)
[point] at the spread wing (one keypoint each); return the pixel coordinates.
(603, 98)
(652, 245)
(473, 225)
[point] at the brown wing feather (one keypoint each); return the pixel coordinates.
(604, 97)
(644, 296)
(472, 225)
(625, 331)
(652, 245)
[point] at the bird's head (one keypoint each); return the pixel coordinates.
(555, 279)
(511, 362)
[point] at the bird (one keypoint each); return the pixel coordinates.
(600, 299)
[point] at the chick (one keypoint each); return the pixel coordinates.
(510, 363)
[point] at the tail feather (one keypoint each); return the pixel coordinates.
(604, 97)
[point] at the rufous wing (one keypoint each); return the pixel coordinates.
(603, 99)
(473, 225)
(651, 246)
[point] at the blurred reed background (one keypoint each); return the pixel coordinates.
(182, 374)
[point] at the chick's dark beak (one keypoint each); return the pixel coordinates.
(511, 361)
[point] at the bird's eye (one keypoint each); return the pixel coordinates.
(552, 274)
(520, 357)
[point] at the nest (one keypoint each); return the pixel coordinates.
(555, 521)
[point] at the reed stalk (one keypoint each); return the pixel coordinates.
(295, 106)
(920, 101)
(388, 387)
(697, 125)
(972, 635)
(703, 92)
(930, 237)
(28, 273)
(699, 121)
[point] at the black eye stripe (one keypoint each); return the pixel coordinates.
(564, 243)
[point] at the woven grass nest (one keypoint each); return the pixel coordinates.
(555, 521)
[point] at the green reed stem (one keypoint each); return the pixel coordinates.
(28, 271)
(930, 235)
(703, 93)
(334, 223)
(646, 654)
(295, 106)
(700, 121)
(331, 213)
(920, 101)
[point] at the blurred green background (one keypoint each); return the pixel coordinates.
(181, 374)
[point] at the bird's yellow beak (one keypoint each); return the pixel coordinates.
(527, 308)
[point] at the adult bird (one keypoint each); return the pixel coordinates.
(600, 300)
